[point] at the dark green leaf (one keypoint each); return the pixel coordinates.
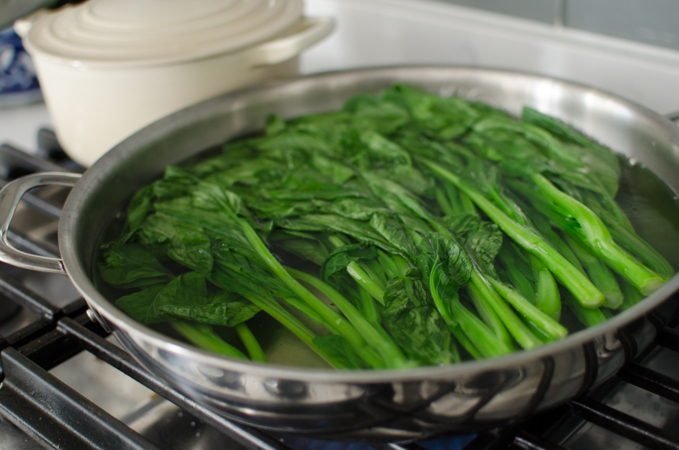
(140, 305)
(445, 265)
(339, 350)
(341, 257)
(139, 207)
(484, 244)
(307, 246)
(188, 244)
(414, 324)
(334, 223)
(132, 266)
(373, 113)
(337, 172)
(362, 209)
(443, 117)
(274, 124)
(392, 231)
(603, 162)
(187, 298)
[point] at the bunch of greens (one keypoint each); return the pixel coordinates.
(422, 230)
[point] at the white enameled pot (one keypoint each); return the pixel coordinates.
(108, 68)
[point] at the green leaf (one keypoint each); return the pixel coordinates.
(396, 197)
(600, 160)
(139, 207)
(341, 257)
(339, 350)
(188, 244)
(445, 267)
(374, 113)
(248, 172)
(393, 231)
(383, 151)
(414, 324)
(245, 275)
(274, 124)
(187, 298)
(484, 244)
(307, 246)
(334, 223)
(443, 117)
(294, 144)
(175, 183)
(444, 260)
(362, 209)
(337, 172)
(139, 305)
(132, 266)
(462, 223)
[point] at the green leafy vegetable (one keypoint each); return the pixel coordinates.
(406, 229)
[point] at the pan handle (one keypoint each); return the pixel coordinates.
(10, 195)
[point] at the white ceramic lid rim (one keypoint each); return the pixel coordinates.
(70, 36)
(99, 19)
(93, 26)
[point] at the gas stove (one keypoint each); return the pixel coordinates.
(67, 384)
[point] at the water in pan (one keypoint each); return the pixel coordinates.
(650, 205)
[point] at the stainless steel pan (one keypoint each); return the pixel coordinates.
(386, 405)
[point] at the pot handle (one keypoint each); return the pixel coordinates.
(10, 195)
(308, 32)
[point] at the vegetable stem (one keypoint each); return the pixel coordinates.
(549, 326)
(640, 248)
(365, 281)
(484, 341)
(515, 326)
(487, 313)
(599, 273)
(587, 316)
(363, 275)
(254, 349)
(582, 288)
(289, 321)
(340, 323)
(203, 336)
(592, 232)
(369, 308)
(547, 297)
(392, 355)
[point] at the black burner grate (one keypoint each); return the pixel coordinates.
(54, 415)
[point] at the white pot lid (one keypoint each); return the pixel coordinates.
(141, 32)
